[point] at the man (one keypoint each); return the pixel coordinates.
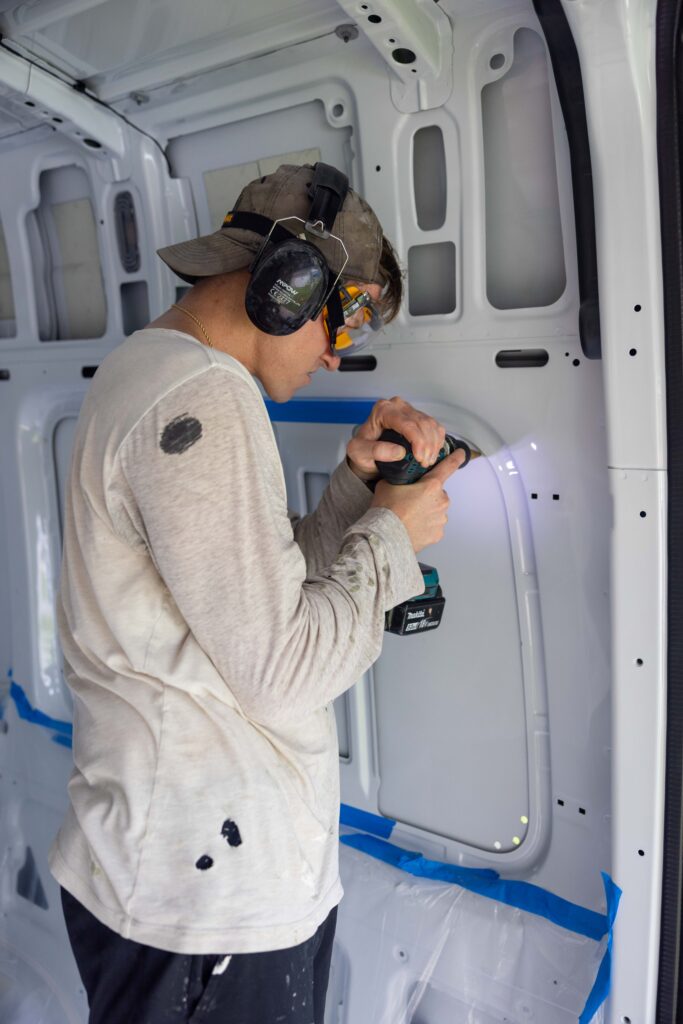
(206, 632)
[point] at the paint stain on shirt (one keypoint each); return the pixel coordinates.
(180, 434)
(230, 831)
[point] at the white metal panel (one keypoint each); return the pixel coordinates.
(266, 142)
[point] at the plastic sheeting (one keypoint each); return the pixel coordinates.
(28, 995)
(418, 941)
(417, 950)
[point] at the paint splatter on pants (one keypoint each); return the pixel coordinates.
(129, 983)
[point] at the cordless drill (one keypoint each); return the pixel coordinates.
(424, 612)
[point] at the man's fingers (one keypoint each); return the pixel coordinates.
(386, 451)
(447, 466)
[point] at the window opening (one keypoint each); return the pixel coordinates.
(62, 231)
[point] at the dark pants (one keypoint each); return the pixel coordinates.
(128, 983)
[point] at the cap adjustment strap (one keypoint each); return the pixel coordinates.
(327, 191)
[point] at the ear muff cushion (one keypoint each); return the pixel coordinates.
(288, 286)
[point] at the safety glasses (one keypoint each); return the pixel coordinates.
(362, 320)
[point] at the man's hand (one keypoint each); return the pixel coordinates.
(422, 507)
(424, 433)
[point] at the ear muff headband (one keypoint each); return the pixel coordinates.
(290, 279)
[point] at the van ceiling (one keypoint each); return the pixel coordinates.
(121, 46)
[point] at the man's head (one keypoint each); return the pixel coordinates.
(301, 234)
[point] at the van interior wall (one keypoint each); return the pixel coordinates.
(487, 743)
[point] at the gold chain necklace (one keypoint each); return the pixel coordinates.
(196, 320)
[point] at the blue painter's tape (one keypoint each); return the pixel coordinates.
(601, 986)
(487, 882)
(63, 741)
(320, 410)
(36, 717)
(375, 824)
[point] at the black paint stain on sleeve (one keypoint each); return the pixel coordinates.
(204, 862)
(231, 832)
(180, 434)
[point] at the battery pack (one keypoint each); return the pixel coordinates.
(419, 614)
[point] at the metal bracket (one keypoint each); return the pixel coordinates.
(415, 39)
(97, 129)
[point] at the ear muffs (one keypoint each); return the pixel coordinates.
(288, 287)
(290, 278)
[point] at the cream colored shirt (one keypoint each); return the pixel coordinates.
(205, 634)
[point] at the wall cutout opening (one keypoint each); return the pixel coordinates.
(8, 324)
(134, 306)
(429, 177)
(68, 284)
(524, 250)
(127, 232)
(431, 279)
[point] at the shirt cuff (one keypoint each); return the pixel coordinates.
(394, 554)
(349, 492)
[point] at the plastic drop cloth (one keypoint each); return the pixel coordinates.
(28, 995)
(419, 951)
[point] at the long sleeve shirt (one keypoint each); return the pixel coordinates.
(205, 634)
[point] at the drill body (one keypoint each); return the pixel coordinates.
(424, 612)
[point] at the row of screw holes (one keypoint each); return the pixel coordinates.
(582, 810)
(401, 55)
(632, 351)
(92, 143)
(556, 497)
(639, 661)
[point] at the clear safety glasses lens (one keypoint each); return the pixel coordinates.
(362, 320)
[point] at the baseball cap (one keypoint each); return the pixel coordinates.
(284, 193)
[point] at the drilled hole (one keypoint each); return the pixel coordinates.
(633, 351)
(582, 810)
(534, 496)
(338, 109)
(403, 56)
(374, 18)
(637, 308)
(641, 853)
(497, 61)
(639, 662)
(556, 497)
(378, 167)
(643, 514)
(29, 103)
(560, 802)
(576, 362)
